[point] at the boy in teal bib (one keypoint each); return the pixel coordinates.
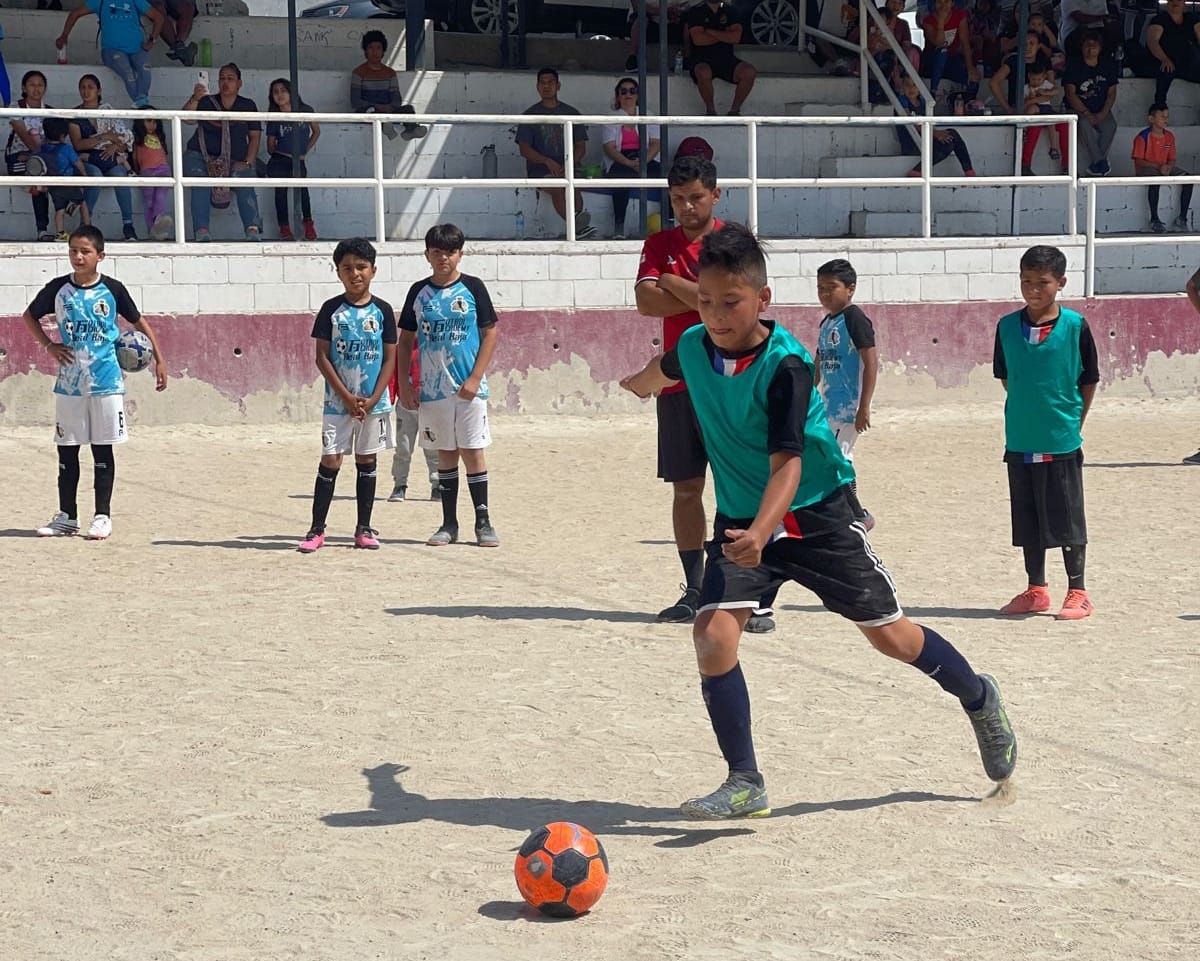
(782, 515)
(1045, 357)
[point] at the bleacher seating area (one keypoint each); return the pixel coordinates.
(453, 151)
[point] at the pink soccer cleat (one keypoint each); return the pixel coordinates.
(313, 541)
(364, 538)
(1076, 606)
(1033, 600)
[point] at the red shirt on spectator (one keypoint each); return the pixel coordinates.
(953, 24)
(670, 252)
(414, 375)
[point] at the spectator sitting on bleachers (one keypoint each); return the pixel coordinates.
(653, 21)
(24, 139)
(1004, 81)
(1154, 155)
(948, 53)
(884, 57)
(1043, 95)
(104, 147)
(944, 141)
(177, 27)
(375, 88)
(985, 23)
(622, 149)
(902, 33)
(288, 138)
(1090, 84)
(712, 32)
(223, 148)
(1173, 38)
(542, 146)
(61, 160)
(1080, 15)
(124, 47)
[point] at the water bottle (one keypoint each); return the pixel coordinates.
(520, 225)
(678, 62)
(205, 53)
(62, 54)
(490, 169)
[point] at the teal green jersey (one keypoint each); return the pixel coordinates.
(746, 413)
(1044, 368)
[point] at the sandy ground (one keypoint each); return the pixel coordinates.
(216, 748)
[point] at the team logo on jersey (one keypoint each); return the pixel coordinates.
(100, 309)
(370, 325)
(670, 261)
(459, 305)
(835, 336)
(429, 435)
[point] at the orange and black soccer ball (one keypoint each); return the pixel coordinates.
(561, 869)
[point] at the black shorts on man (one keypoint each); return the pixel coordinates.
(681, 453)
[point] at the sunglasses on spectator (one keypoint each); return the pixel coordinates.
(627, 90)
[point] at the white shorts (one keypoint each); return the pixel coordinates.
(845, 435)
(453, 424)
(343, 434)
(89, 420)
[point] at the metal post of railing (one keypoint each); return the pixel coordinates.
(752, 163)
(1073, 186)
(569, 173)
(377, 157)
(1089, 245)
(177, 192)
(864, 90)
(926, 174)
(1015, 220)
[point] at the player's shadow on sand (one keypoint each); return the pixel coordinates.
(1189, 617)
(497, 613)
(14, 532)
(1140, 463)
(275, 542)
(391, 804)
(966, 613)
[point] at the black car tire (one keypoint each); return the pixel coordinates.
(483, 16)
(773, 23)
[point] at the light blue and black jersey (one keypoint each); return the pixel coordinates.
(448, 321)
(356, 336)
(839, 340)
(87, 324)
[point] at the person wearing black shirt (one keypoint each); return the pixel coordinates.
(1090, 85)
(1173, 39)
(713, 35)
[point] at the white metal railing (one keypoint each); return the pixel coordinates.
(571, 181)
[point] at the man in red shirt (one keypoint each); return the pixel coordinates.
(666, 287)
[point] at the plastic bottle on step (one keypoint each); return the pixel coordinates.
(520, 225)
(62, 54)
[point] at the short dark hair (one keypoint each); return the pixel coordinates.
(444, 237)
(237, 71)
(55, 128)
(354, 247)
(686, 169)
(1158, 106)
(547, 70)
(1046, 258)
(373, 36)
(1092, 35)
(88, 232)
(735, 249)
(840, 269)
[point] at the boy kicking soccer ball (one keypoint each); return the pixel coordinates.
(356, 353)
(89, 404)
(782, 515)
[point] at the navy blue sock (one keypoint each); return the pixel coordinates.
(728, 704)
(941, 660)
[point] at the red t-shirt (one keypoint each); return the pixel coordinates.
(670, 252)
(954, 23)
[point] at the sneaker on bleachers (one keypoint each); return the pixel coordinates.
(1157, 226)
(413, 131)
(162, 227)
(185, 53)
(1180, 224)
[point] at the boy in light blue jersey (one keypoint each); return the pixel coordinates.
(89, 391)
(849, 366)
(782, 515)
(449, 315)
(356, 354)
(1045, 356)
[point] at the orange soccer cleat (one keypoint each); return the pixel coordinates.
(1033, 600)
(1076, 606)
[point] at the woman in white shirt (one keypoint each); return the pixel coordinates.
(622, 146)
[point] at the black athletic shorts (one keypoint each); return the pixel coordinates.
(63, 197)
(723, 67)
(681, 453)
(1047, 501)
(838, 566)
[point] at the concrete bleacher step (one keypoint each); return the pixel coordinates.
(807, 109)
(947, 223)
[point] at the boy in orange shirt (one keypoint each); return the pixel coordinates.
(1154, 156)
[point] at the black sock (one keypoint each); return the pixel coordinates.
(448, 480)
(323, 496)
(728, 703)
(940, 660)
(106, 475)
(1075, 557)
(477, 484)
(1035, 565)
(68, 480)
(851, 492)
(364, 490)
(693, 568)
